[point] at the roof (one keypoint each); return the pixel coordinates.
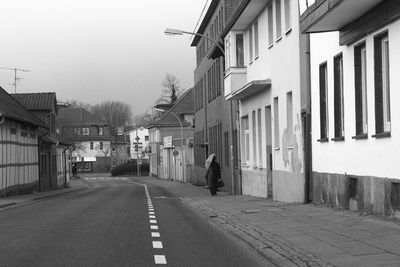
(205, 21)
(11, 108)
(78, 117)
(37, 101)
(183, 106)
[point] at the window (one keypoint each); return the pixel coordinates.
(239, 50)
(276, 122)
(100, 130)
(259, 138)
(227, 52)
(254, 135)
(338, 97)
(250, 44)
(113, 149)
(146, 138)
(24, 130)
(360, 78)
(395, 196)
(256, 49)
(323, 102)
(288, 19)
(13, 130)
(246, 138)
(382, 85)
(101, 145)
(91, 145)
(278, 19)
(114, 163)
(270, 26)
(289, 118)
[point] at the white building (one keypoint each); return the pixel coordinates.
(262, 56)
(139, 137)
(355, 58)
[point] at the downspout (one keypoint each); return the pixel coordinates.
(306, 114)
(238, 154)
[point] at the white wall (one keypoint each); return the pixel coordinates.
(141, 133)
(372, 157)
(85, 151)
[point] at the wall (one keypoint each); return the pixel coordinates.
(19, 164)
(281, 64)
(372, 161)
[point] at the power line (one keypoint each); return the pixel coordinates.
(15, 75)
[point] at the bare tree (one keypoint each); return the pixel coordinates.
(114, 113)
(77, 104)
(170, 89)
(144, 119)
(105, 149)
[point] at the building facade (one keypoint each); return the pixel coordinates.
(355, 54)
(91, 139)
(263, 73)
(19, 157)
(214, 129)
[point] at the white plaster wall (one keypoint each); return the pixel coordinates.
(281, 64)
(85, 150)
(373, 157)
(141, 133)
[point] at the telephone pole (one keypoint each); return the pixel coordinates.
(15, 75)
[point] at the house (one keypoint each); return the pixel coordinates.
(139, 142)
(262, 74)
(355, 58)
(170, 141)
(54, 160)
(90, 137)
(215, 130)
(120, 147)
(19, 157)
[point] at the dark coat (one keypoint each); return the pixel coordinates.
(213, 174)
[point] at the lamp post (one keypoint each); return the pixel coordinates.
(169, 31)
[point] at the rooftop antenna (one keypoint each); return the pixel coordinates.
(16, 78)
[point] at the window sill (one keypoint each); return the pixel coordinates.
(277, 148)
(288, 31)
(270, 46)
(360, 136)
(290, 146)
(338, 139)
(278, 39)
(255, 59)
(323, 140)
(382, 135)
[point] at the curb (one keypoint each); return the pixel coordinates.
(43, 197)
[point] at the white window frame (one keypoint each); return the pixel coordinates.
(385, 84)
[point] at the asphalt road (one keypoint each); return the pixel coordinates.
(115, 223)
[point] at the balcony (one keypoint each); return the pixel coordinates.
(332, 15)
(235, 78)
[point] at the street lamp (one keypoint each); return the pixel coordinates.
(169, 31)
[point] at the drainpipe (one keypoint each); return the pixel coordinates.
(238, 154)
(306, 114)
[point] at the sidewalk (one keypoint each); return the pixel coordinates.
(296, 234)
(74, 185)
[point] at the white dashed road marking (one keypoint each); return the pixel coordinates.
(158, 259)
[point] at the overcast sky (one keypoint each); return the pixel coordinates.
(96, 50)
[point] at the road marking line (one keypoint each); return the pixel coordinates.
(152, 216)
(160, 259)
(151, 212)
(153, 221)
(157, 244)
(153, 227)
(155, 234)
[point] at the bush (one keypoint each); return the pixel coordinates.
(130, 167)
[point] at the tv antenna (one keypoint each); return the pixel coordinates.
(16, 78)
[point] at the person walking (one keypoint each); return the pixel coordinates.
(74, 171)
(213, 174)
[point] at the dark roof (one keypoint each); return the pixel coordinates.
(205, 21)
(37, 101)
(183, 106)
(164, 106)
(12, 109)
(77, 117)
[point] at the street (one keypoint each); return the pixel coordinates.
(115, 222)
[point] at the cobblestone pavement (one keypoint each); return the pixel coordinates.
(288, 234)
